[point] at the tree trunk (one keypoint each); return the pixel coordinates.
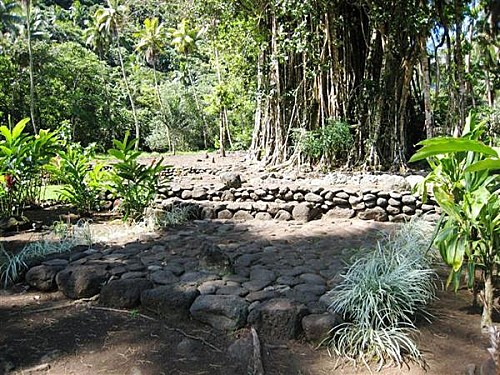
(222, 110)
(129, 94)
(197, 101)
(424, 65)
(459, 66)
(374, 160)
(486, 321)
(30, 57)
(162, 109)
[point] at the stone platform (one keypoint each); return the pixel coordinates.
(272, 275)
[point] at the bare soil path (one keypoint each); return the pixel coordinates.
(45, 333)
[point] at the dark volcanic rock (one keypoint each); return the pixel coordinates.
(124, 293)
(214, 259)
(168, 299)
(82, 281)
(278, 319)
(43, 277)
(220, 311)
(231, 180)
(317, 326)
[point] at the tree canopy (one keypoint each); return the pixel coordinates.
(270, 76)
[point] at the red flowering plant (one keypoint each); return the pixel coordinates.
(23, 158)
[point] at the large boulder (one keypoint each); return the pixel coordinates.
(302, 212)
(124, 293)
(242, 215)
(305, 212)
(81, 281)
(375, 213)
(241, 352)
(168, 299)
(278, 319)
(339, 213)
(317, 327)
(43, 277)
(223, 312)
(231, 180)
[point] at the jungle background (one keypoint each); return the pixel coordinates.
(326, 82)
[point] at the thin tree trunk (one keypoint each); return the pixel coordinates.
(374, 157)
(30, 56)
(129, 94)
(257, 129)
(222, 109)
(459, 66)
(162, 109)
(197, 102)
(424, 64)
(486, 321)
(278, 149)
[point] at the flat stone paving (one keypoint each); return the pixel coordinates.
(299, 262)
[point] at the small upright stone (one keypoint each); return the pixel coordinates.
(213, 258)
(231, 180)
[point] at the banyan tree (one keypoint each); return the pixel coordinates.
(364, 62)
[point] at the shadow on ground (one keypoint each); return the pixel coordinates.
(70, 338)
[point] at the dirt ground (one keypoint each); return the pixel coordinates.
(45, 333)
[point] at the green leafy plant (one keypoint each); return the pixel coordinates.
(329, 144)
(135, 184)
(381, 295)
(466, 187)
(176, 215)
(62, 239)
(83, 180)
(23, 158)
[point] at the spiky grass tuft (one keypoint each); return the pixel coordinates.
(380, 297)
(62, 239)
(176, 215)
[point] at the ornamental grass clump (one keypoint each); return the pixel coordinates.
(381, 295)
(63, 238)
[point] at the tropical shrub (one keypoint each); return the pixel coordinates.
(329, 144)
(13, 265)
(135, 184)
(466, 187)
(23, 158)
(83, 180)
(381, 295)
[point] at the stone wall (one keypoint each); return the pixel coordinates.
(298, 203)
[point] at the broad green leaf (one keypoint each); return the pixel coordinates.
(454, 278)
(491, 164)
(445, 145)
(6, 133)
(18, 129)
(456, 251)
(6, 150)
(116, 153)
(446, 202)
(476, 201)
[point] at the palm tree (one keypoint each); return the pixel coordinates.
(185, 39)
(96, 39)
(151, 42)
(185, 42)
(27, 8)
(110, 22)
(10, 17)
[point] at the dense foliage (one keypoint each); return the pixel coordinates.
(466, 185)
(28, 162)
(183, 75)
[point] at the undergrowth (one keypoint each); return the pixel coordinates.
(62, 238)
(381, 295)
